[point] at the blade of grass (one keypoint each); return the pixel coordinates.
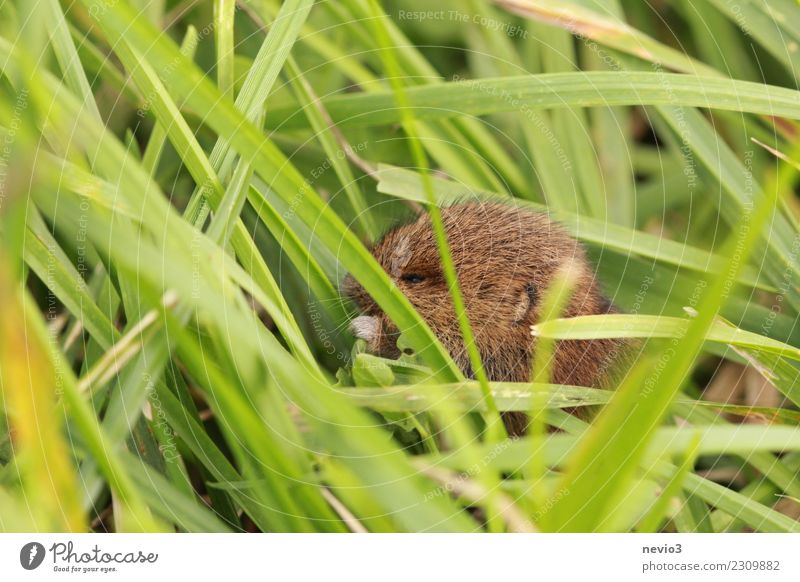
(719, 439)
(552, 90)
(224, 12)
(650, 326)
(28, 384)
(67, 56)
(553, 304)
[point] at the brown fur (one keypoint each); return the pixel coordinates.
(505, 258)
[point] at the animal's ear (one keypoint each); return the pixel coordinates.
(524, 303)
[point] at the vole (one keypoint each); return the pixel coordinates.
(505, 258)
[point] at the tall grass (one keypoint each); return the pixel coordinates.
(184, 184)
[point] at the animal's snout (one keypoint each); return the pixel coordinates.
(366, 327)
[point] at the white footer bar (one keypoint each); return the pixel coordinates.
(401, 557)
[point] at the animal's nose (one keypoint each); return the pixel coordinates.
(365, 327)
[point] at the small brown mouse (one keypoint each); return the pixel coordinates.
(505, 258)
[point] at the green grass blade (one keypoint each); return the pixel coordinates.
(554, 90)
(224, 12)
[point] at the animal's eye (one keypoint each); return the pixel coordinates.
(413, 278)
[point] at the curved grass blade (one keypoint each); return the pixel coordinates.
(657, 326)
(553, 90)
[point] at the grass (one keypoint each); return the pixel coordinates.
(184, 185)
